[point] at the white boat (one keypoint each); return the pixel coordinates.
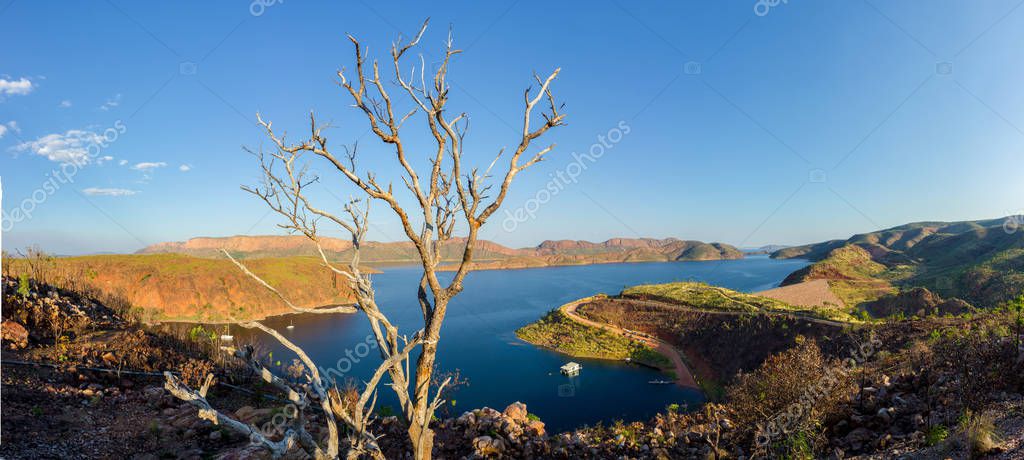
(571, 369)
(290, 325)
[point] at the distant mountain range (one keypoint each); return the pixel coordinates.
(766, 249)
(979, 261)
(488, 255)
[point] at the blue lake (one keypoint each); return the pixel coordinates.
(478, 337)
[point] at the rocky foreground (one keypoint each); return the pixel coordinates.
(80, 381)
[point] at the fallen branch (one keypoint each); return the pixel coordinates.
(207, 412)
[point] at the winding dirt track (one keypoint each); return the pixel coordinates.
(683, 374)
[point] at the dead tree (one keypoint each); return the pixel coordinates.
(448, 197)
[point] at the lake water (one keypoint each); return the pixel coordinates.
(478, 337)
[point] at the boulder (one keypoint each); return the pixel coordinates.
(467, 418)
(250, 415)
(486, 415)
(536, 427)
(517, 411)
(15, 334)
(858, 437)
(183, 421)
(246, 452)
(244, 412)
(485, 446)
(511, 428)
(885, 415)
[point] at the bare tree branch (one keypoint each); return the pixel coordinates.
(450, 198)
(338, 309)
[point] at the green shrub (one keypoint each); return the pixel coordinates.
(196, 332)
(799, 447)
(23, 287)
(936, 434)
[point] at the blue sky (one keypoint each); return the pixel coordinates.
(809, 121)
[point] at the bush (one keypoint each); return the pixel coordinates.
(194, 372)
(863, 315)
(985, 362)
(979, 430)
(798, 389)
(936, 434)
(23, 286)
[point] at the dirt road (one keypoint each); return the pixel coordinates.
(793, 315)
(683, 374)
(685, 377)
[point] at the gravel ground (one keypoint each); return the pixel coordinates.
(814, 293)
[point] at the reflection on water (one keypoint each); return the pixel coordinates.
(478, 337)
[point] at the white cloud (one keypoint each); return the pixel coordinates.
(122, 162)
(111, 103)
(104, 159)
(148, 166)
(93, 191)
(69, 147)
(19, 87)
(64, 104)
(185, 168)
(9, 126)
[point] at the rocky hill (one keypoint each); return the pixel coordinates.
(488, 255)
(175, 287)
(979, 261)
(293, 245)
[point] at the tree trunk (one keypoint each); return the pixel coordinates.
(420, 434)
(422, 442)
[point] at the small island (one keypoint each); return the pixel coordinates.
(640, 325)
(557, 331)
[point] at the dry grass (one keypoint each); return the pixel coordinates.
(979, 432)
